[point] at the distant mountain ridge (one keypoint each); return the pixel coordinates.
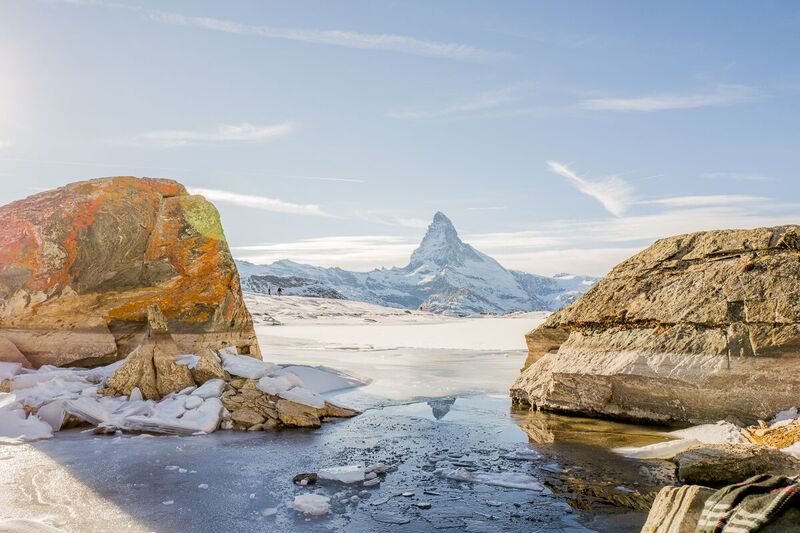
(444, 275)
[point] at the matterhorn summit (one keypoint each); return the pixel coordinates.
(441, 246)
(444, 275)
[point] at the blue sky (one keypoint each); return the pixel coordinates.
(558, 136)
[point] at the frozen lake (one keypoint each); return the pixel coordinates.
(436, 411)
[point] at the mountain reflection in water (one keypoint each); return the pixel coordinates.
(441, 406)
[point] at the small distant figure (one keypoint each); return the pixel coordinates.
(280, 291)
(269, 291)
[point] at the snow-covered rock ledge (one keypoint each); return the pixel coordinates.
(157, 390)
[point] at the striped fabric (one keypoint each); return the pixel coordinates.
(749, 505)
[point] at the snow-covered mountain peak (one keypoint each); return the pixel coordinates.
(445, 275)
(442, 246)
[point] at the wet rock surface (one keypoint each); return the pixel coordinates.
(696, 328)
(725, 464)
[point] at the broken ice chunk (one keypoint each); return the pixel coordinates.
(188, 360)
(343, 474)
(9, 370)
(213, 388)
(276, 385)
(311, 504)
(522, 454)
(303, 396)
(245, 366)
(15, 427)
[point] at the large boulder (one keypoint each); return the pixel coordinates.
(695, 328)
(717, 465)
(80, 265)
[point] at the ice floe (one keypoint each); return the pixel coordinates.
(246, 367)
(9, 370)
(787, 416)
(213, 388)
(15, 426)
(343, 474)
(311, 504)
(303, 396)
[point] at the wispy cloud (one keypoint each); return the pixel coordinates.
(481, 102)
(487, 208)
(224, 134)
(613, 192)
(259, 202)
(589, 246)
(389, 218)
(735, 176)
(705, 200)
(722, 95)
(349, 39)
(361, 252)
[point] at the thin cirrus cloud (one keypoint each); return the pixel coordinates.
(259, 202)
(706, 200)
(614, 193)
(348, 39)
(735, 176)
(722, 95)
(224, 134)
(482, 102)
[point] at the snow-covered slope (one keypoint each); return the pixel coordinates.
(445, 275)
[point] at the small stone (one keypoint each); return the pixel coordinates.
(309, 478)
(370, 475)
(378, 468)
(407, 494)
(372, 482)
(423, 505)
(355, 499)
(202, 486)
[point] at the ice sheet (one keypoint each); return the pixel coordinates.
(513, 480)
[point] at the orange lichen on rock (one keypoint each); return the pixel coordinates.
(80, 265)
